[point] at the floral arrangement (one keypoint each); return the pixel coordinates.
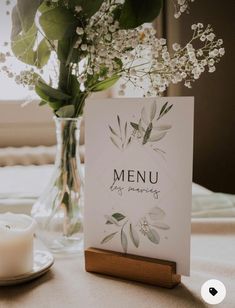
(72, 48)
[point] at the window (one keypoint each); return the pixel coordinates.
(9, 90)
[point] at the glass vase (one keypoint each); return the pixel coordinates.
(59, 211)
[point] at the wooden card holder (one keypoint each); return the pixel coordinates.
(147, 270)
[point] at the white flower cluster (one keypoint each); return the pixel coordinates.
(181, 6)
(183, 64)
(27, 77)
(135, 55)
(138, 56)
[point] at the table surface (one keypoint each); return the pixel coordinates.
(68, 285)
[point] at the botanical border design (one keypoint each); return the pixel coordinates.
(147, 130)
(147, 226)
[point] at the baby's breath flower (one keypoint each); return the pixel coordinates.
(176, 46)
(80, 31)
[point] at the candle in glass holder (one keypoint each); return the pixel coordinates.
(16, 244)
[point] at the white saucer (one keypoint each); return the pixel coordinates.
(43, 260)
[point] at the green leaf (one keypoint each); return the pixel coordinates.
(124, 241)
(42, 54)
(58, 23)
(53, 93)
(22, 45)
(89, 7)
(108, 237)
(75, 87)
(42, 103)
(27, 12)
(41, 94)
(66, 111)
(147, 133)
(47, 6)
(134, 125)
(55, 105)
(153, 236)
(136, 12)
(105, 84)
(134, 236)
(23, 48)
(16, 23)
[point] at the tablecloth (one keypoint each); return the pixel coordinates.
(67, 285)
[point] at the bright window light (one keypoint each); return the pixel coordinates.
(9, 90)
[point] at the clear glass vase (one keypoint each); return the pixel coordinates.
(59, 211)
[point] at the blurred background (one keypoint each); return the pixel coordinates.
(27, 133)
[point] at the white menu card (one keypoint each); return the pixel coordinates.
(138, 177)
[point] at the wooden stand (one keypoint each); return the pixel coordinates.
(147, 270)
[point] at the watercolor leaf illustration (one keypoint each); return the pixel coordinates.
(153, 236)
(124, 241)
(146, 227)
(148, 130)
(119, 137)
(156, 213)
(108, 237)
(134, 236)
(115, 217)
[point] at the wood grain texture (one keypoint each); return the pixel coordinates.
(147, 270)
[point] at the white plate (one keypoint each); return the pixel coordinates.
(43, 260)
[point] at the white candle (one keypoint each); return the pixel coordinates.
(16, 244)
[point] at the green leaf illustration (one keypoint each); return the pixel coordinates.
(153, 110)
(160, 225)
(163, 127)
(113, 131)
(144, 116)
(125, 130)
(147, 133)
(157, 136)
(124, 241)
(153, 236)
(163, 108)
(156, 213)
(116, 216)
(108, 237)
(111, 220)
(114, 142)
(134, 125)
(168, 109)
(119, 122)
(134, 236)
(129, 141)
